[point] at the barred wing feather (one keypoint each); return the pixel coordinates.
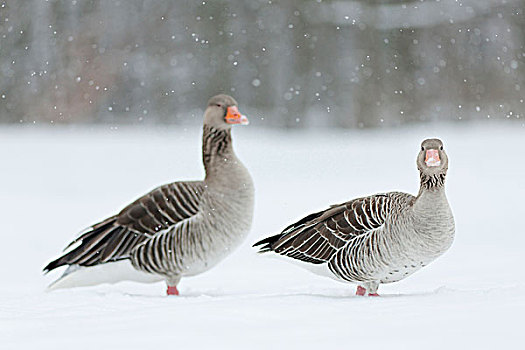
(317, 237)
(114, 238)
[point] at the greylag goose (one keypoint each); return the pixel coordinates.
(377, 239)
(178, 229)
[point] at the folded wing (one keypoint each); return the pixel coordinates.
(317, 237)
(114, 238)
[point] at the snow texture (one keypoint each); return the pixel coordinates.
(58, 180)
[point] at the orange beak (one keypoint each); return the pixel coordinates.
(234, 117)
(432, 158)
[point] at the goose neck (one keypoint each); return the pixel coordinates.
(431, 183)
(217, 150)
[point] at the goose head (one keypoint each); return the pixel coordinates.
(222, 113)
(432, 158)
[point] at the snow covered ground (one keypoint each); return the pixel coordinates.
(56, 181)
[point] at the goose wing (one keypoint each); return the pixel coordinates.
(317, 237)
(114, 238)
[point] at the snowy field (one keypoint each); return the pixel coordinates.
(56, 181)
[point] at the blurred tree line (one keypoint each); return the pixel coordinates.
(294, 63)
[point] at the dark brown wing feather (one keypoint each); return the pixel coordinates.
(318, 236)
(114, 238)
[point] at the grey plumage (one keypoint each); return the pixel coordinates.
(224, 216)
(377, 239)
(182, 228)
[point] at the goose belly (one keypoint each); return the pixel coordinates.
(216, 238)
(188, 249)
(397, 272)
(204, 257)
(387, 271)
(385, 257)
(412, 257)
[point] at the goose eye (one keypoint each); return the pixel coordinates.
(422, 148)
(219, 105)
(441, 148)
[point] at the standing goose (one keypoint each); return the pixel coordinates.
(178, 229)
(377, 239)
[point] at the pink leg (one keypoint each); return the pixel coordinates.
(360, 291)
(172, 290)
